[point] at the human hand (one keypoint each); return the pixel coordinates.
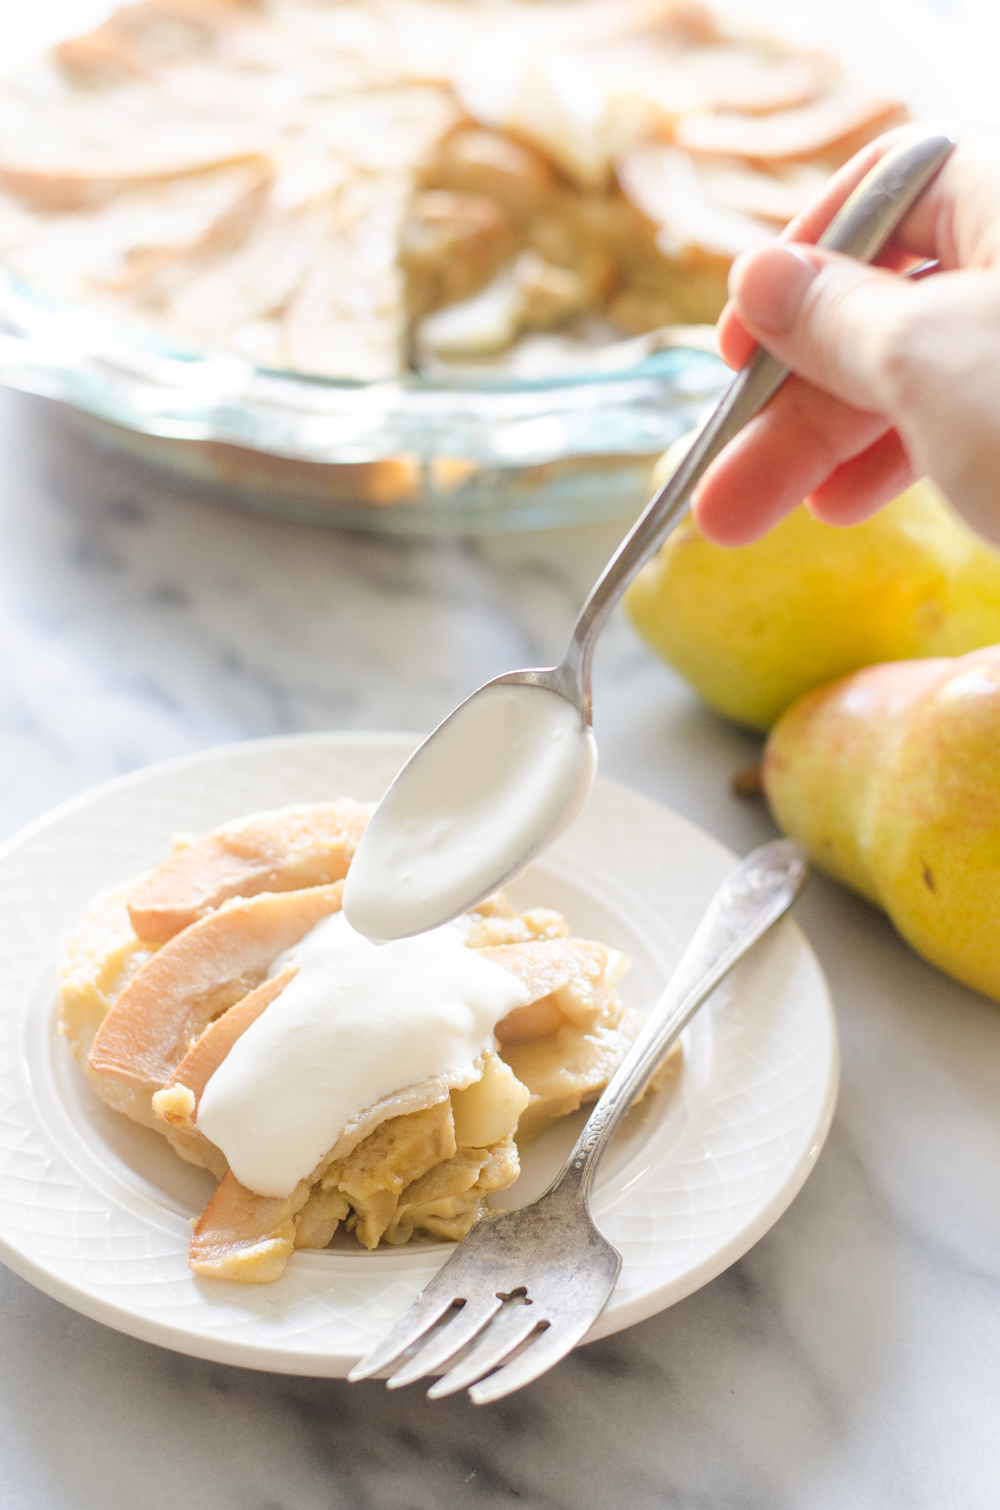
(894, 379)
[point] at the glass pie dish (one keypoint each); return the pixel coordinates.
(400, 264)
(408, 454)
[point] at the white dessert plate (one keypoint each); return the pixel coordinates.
(95, 1210)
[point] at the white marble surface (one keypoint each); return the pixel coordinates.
(850, 1360)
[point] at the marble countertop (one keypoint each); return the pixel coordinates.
(850, 1359)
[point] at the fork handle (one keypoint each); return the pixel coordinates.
(750, 900)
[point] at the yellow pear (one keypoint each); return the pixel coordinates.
(891, 779)
(754, 628)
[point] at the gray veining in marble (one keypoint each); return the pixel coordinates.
(852, 1359)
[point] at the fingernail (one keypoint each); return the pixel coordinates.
(768, 286)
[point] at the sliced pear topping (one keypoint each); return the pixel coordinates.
(284, 850)
(244, 1236)
(543, 965)
(178, 1102)
(573, 968)
(828, 128)
(215, 962)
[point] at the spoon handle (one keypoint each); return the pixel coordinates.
(860, 229)
(749, 901)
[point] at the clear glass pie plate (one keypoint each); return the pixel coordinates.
(478, 452)
(474, 450)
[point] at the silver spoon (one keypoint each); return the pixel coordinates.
(508, 771)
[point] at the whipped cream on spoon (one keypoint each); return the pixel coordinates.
(510, 769)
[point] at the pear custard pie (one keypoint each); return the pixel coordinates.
(223, 1000)
(358, 188)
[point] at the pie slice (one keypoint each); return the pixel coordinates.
(165, 976)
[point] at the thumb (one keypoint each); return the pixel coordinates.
(827, 317)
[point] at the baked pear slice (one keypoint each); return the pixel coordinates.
(177, 1103)
(286, 849)
(565, 977)
(198, 975)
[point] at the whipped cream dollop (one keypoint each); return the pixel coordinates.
(358, 1022)
(498, 781)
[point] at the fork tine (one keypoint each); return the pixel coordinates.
(506, 1333)
(544, 1353)
(454, 1335)
(429, 1306)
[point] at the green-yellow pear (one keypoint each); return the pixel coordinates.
(891, 779)
(754, 628)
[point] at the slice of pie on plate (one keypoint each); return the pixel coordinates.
(167, 987)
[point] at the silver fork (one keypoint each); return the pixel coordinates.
(536, 1279)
